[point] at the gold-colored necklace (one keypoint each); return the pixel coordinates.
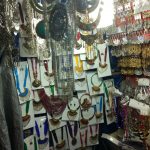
(78, 65)
(90, 54)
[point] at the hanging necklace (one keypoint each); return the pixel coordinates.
(95, 88)
(27, 117)
(42, 143)
(72, 112)
(94, 138)
(103, 67)
(74, 140)
(90, 55)
(61, 144)
(99, 113)
(26, 94)
(78, 66)
(83, 145)
(47, 73)
(36, 83)
(89, 39)
(85, 101)
(31, 142)
(88, 26)
(53, 104)
(85, 121)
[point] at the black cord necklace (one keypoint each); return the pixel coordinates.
(61, 144)
(73, 136)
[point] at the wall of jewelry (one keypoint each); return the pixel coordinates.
(50, 51)
(63, 71)
(129, 40)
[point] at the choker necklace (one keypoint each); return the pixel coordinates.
(61, 144)
(27, 117)
(55, 121)
(42, 143)
(99, 113)
(89, 39)
(31, 142)
(91, 55)
(85, 101)
(37, 106)
(78, 66)
(95, 88)
(71, 112)
(83, 145)
(85, 121)
(105, 65)
(26, 94)
(88, 26)
(47, 73)
(36, 83)
(74, 140)
(94, 138)
(53, 104)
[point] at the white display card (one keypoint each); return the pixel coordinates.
(93, 80)
(54, 126)
(81, 84)
(60, 133)
(93, 135)
(103, 67)
(30, 143)
(36, 65)
(22, 80)
(89, 116)
(77, 143)
(27, 115)
(43, 140)
(47, 78)
(72, 111)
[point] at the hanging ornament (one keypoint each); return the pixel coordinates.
(89, 26)
(58, 22)
(84, 6)
(43, 8)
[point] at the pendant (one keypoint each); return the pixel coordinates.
(84, 121)
(90, 61)
(93, 139)
(25, 95)
(54, 121)
(102, 68)
(36, 83)
(86, 104)
(74, 141)
(72, 113)
(61, 144)
(102, 65)
(42, 143)
(49, 74)
(95, 88)
(37, 106)
(98, 115)
(26, 119)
